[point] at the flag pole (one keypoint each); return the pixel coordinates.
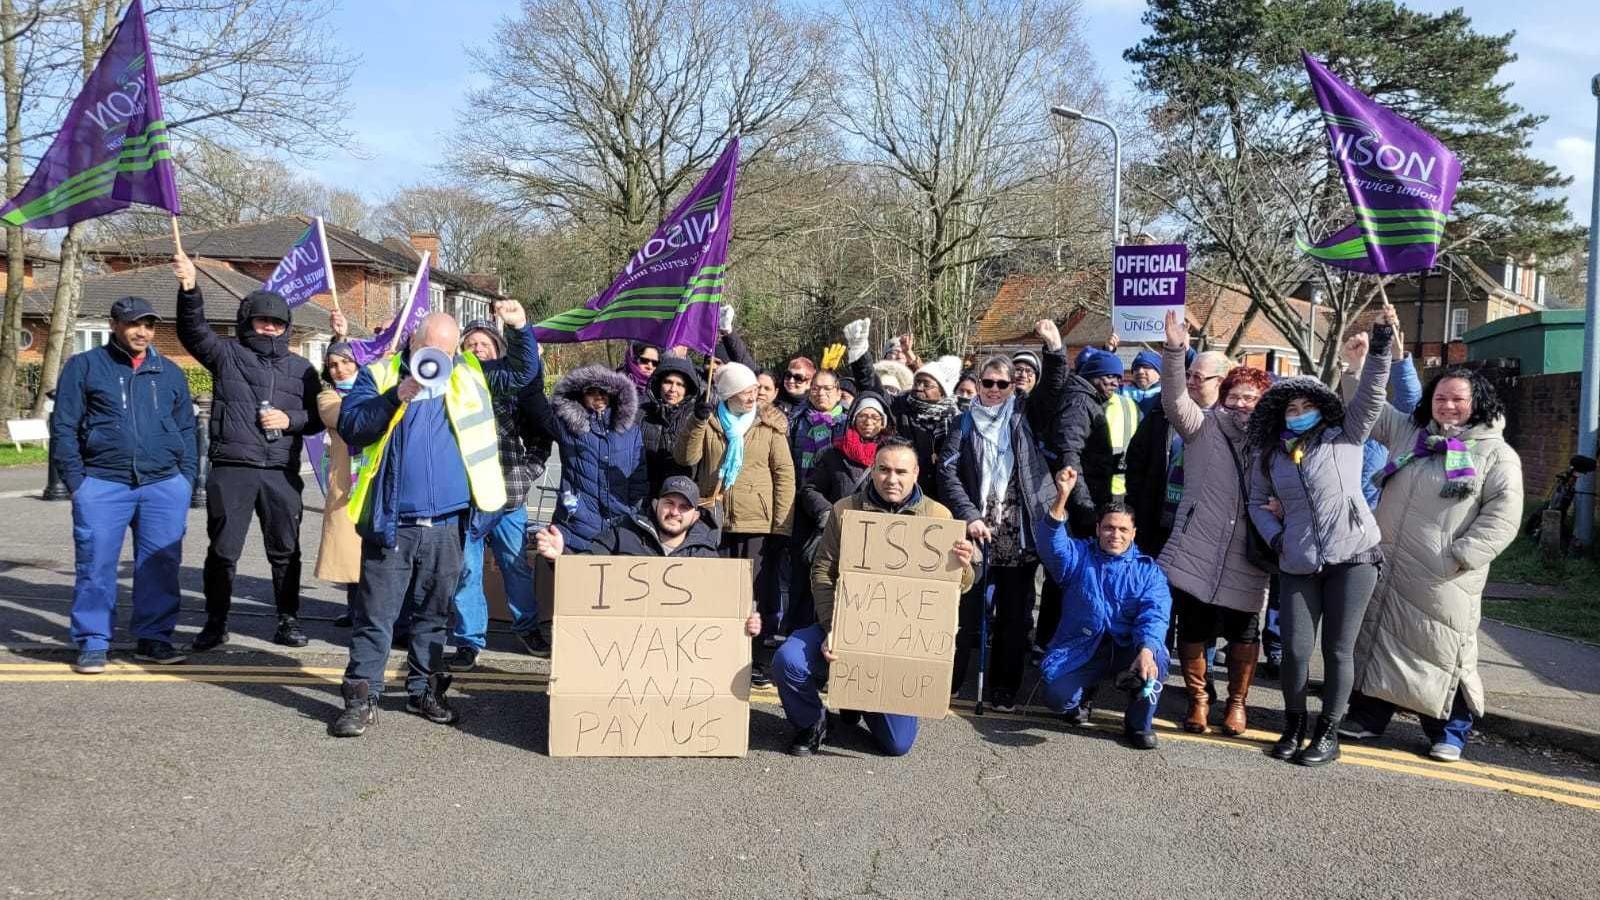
(422, 267)
(327, 264)
(177, 238)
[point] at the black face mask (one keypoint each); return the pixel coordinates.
(963, 402)
(263, 345)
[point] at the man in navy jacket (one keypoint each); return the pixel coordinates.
(122, 438)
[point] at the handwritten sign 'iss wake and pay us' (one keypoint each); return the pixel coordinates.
(649, 657)
(895, 609)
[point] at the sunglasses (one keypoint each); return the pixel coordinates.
(647, 361)
(796, 376)
(993, 383)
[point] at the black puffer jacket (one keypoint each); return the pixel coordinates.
(245, 372)
(636, 535)
(661, 424)
(1148, 461)
(1079, 431)
(925, 425)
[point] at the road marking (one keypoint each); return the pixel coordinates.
(1482, 775)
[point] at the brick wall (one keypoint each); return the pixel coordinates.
(1542, 425)
(363, 296)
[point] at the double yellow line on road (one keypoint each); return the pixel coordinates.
(1498, 778)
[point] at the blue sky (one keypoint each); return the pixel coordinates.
(417, 68)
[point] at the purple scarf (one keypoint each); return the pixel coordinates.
(1459, 471)
(630, 368)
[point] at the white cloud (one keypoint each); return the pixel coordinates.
(1574, 156)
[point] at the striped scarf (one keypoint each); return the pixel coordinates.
(815, 434)
(1459, 471)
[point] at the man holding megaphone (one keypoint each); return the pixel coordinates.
(424, 425)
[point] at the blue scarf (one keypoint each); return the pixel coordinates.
(734, 427)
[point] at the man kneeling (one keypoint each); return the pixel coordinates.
(673, 528)
(797, 666)
(1114, 611)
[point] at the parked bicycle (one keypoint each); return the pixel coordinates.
(1560, 499)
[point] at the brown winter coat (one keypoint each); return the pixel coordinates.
(1205, 556)
(761, 500)
(339, 556)
(1419, 640)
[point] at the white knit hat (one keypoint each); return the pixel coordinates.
(733, 378)
(946, 370)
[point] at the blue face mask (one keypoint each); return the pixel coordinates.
(345, 384)
(1304, 422)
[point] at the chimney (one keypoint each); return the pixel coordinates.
(426, 242)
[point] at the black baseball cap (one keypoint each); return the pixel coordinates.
(132, 309)
(681, 485)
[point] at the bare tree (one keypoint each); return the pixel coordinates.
(470, 227)
(948, 99)
(599, 113)
(236, 76)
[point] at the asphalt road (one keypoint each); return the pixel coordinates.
(125, 786)
(218, 780)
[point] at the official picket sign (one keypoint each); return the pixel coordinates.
(1147, 283)
(650, 657)
(894, 614)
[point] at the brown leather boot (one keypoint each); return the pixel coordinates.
(1192, 656)
(1242, 659)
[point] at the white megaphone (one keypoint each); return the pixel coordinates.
(431, 367)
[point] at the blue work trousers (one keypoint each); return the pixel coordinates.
(102, 512)
(798, 668)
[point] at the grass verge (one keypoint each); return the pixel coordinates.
(1574, 612)
(31, 455)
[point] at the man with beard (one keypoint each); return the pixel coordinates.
(672, 528)
(264, 403)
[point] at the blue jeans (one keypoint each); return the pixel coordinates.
(507, 537)
(1375, 715)
(798, 667)
(102, 511)
(1066, 691)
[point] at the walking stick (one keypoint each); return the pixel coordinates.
(985, 595)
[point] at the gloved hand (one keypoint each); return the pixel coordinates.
(702, 408)
(855, 338)
(725, 319)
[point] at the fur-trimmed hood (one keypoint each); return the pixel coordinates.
(1266, 423)
(894, 375)
(567, 398)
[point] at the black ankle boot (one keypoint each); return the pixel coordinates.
(359, 709)
(1324, 746)
(430, 704)
(1294, 731)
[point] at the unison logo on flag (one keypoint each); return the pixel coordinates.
(1401, 182)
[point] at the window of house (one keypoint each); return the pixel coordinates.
(1458, 324)
(1508, 276)
(90, 335)
(24, 338)
(314, 351)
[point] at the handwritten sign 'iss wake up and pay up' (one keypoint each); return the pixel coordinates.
(650, 657)
(894, 614)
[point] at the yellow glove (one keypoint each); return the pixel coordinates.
(832, 356)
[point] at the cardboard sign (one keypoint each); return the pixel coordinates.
(904, 546)
(650, 657)
(895, 609)
(1148, 282)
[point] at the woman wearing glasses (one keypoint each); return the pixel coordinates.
(994, 475)
(1216, 591)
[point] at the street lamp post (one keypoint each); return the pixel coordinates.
(1589, 397)
(1116, 164)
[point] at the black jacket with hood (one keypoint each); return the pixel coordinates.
(661, 424)
(244, 372)
(636, 535)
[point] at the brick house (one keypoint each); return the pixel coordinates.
(374, 278)
(221, 286)
(1213, 312)
(1437, 311)
(38, 266)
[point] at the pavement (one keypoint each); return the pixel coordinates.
(218, 778)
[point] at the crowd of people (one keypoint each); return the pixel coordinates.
(1169, 504)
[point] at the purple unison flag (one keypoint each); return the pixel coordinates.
(1147, 282)
(405, 322)
(112, 151)
(670, 291)
(303, 271)
(317, 454)
(1402, 182)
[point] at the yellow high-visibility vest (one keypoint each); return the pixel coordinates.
(471, 411)
(1122, 420)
